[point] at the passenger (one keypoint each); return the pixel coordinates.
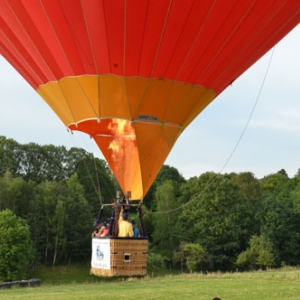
(97, 225)
(136, 232)
(125, 227)
(104, 230)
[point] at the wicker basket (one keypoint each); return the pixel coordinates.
(125, 257)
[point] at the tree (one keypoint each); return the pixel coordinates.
(156, 261)
(166, 173)
(15, 194)
(169, 173)
(279, 225)
(279, 185)
(16, 249)
(42, 217)
(60, 240)
(32, 162)
(8, 156)
(55, 163)
(260, 254)
(294, 242)
(78, 223)
(217, 217)
(249, 186)
(164, 234)
(190, 254)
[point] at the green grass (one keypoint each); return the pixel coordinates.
(71, 283)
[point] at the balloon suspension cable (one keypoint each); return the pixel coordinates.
(98, 191)
(96, 188)
(141, 217)
(200, 194)
(113, 224)
(125, 202)
(100, 215)
(120, 204)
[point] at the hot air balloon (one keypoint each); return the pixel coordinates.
(133, 74)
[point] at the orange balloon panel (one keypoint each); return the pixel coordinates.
(134, 74)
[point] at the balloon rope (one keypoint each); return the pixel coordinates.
(198, 195)
(97, 190)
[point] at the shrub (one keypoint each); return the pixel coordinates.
(192, 255)
(156, 261)
(259, 255)
(16, 250)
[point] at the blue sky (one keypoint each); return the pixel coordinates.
(218, 140)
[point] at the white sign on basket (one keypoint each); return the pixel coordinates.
(101, 253)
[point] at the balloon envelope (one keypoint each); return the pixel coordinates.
(134, 74)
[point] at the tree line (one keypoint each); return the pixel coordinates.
(225, 222)
(210, 222)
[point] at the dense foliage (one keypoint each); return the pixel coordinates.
(16, 250)
(210, 222)
(239, 221)
(58, 192)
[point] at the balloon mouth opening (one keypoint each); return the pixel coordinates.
(109, 127)
(112, 127)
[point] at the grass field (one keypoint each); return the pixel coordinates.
(75, 283)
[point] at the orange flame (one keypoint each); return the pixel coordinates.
(124, 156)
(122, 132)
(123, 139)
(114, 146)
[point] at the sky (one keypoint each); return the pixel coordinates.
(253, 126)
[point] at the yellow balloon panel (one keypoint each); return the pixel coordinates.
(77, 99)
(55, 98)
(114, 101)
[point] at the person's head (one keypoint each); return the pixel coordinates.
(132, 222)
(125, 216)
(217, 298)
(97, 224)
